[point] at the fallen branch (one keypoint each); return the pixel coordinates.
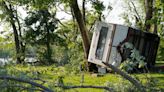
(126, 76)
(87, 86)
(38, 79)
(20, 86)
(26, 81)
(45, 89)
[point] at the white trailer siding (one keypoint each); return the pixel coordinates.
(106, 38)
(119, 35)
(114, 58)
(94, 44)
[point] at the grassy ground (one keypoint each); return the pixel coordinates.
(159, 63)
(51, 74)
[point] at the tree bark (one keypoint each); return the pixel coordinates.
(126, 76)
(22, 45)
(45, 89)
(149, 14)
(84, 32)
(49, 54)
(88, 86)
(16, 36)
(155, 28)
(84, 12)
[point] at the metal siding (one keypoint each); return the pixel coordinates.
(120, 34)
(114, 58)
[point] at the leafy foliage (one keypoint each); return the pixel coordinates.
(161, 50)
(39, 23)
(134, 61)
(73, 45)
(136, 13)
(98, 6)
(41, 31)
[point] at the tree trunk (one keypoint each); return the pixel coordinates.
(149, 14)
(22, 45)
(84, 32)
(155, 28)
(16, 36)
(17, 46)
(49, 54)
(84, 12)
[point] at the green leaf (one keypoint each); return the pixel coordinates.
(141, 64)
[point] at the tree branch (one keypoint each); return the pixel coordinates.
(20, 86)
(46, 89)
(61, 23)
(126, 76)
(26, 81)
(84, 11)
(64, 10)
(87, 86)
(136, 11)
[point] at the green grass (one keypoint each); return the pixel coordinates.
(159, 63)
(51, 74)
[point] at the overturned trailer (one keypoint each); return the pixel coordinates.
(107, 41)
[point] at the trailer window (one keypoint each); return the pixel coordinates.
(101, 43)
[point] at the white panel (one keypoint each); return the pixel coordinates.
(91, 57)
(95, 38)
(114, 58)
(120, 34)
